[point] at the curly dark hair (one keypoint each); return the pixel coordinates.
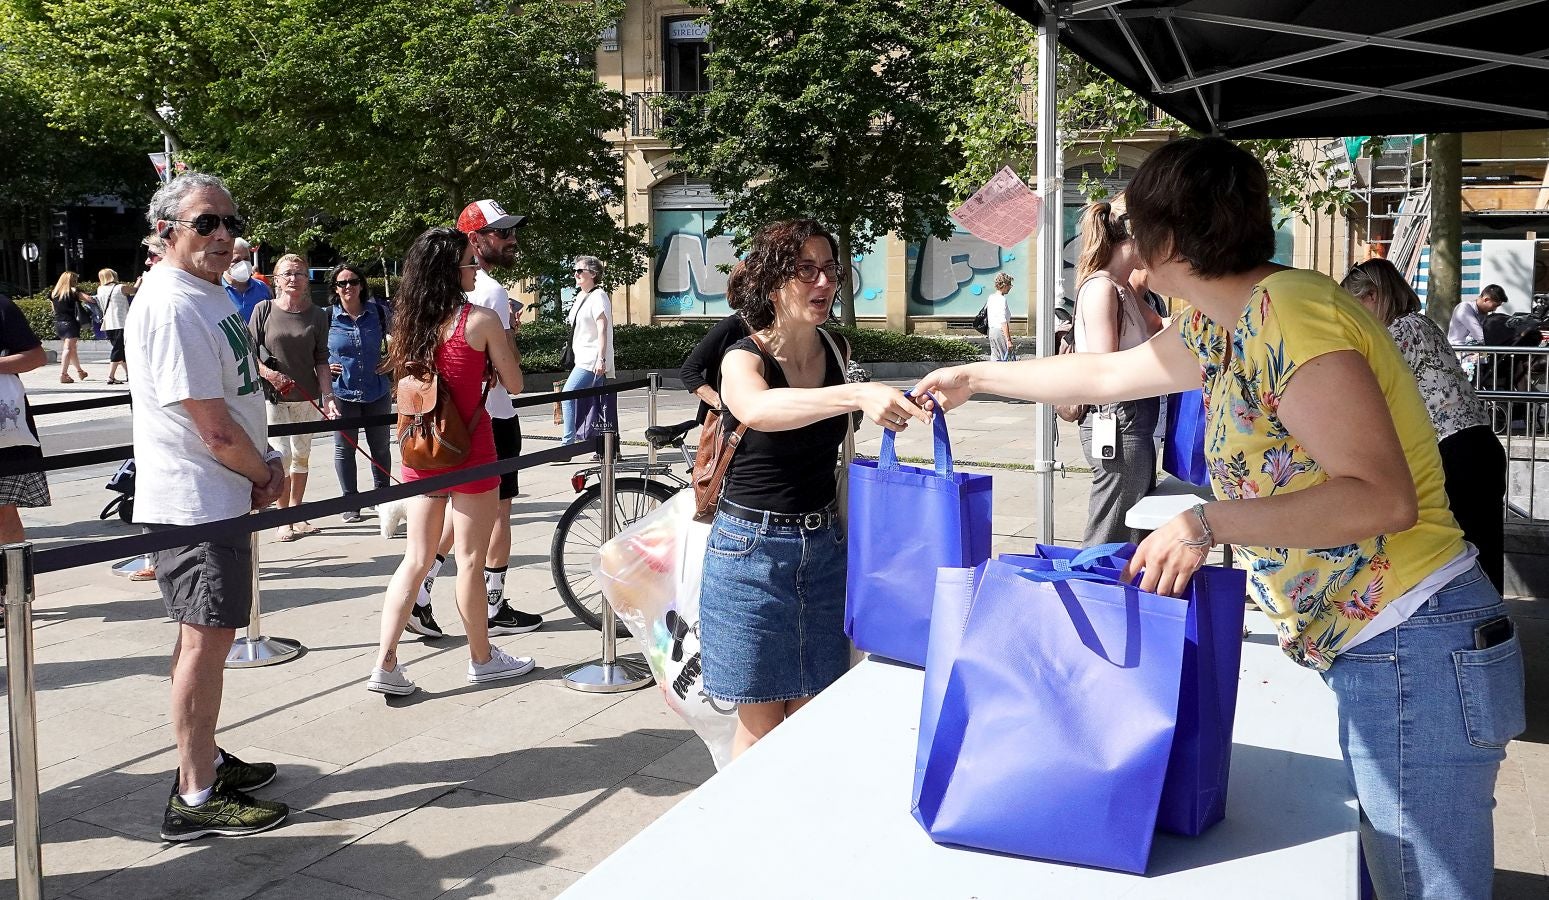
(770, 262)
(428, 296)
(1204, 201)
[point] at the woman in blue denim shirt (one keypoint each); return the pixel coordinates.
(357, 337)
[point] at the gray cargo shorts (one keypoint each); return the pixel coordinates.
(209, 583)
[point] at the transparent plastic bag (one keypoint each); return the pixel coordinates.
(650, 574)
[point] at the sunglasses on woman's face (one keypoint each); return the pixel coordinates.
(347, 282)
(205, 224)
(583, 271)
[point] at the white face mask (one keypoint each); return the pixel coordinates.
(240, 271)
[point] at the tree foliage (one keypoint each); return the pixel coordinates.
(362, 121)
(838, 111)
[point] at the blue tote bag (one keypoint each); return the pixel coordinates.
(1183, 447)
(1045, 729)
(1194, 793)
(904, 523)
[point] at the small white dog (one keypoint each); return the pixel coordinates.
(391, 515)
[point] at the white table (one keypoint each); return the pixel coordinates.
(820, 809)
(1170, 497)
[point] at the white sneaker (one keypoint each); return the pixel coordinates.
(395, 682)
(501, 665)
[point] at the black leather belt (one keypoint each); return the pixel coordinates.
(811, 521)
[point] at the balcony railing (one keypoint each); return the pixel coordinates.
(646, 118)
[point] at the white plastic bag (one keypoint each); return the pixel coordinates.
(650, 574)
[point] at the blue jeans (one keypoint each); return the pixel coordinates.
(344, 455)
(1424, 720)
(580, 379)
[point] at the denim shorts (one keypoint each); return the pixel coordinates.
(1424, 719)
(772, 611)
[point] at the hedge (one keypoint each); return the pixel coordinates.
(663, 347)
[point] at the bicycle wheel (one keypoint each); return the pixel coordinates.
(578, 537)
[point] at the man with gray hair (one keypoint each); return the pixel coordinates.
(243, 285)
(201, 458)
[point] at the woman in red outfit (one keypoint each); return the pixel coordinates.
(435, 328)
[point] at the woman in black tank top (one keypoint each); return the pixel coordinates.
(772, 601)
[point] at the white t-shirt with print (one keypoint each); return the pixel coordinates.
(488, 293)
(589, 333)
(188, 343)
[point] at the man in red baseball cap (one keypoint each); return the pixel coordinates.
(492, 231)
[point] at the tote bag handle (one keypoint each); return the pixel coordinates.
(888, 457)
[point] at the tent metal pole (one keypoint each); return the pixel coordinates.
(1523, 111)
(1049, 239)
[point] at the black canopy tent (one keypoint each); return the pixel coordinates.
(1286, 69)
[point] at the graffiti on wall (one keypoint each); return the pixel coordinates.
(688, 280)
(955, 275)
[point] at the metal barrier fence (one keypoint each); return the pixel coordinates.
(1514, 384)
(19, 565)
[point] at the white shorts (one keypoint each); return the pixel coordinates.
(296, 449)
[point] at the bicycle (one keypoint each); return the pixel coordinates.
(638, 488)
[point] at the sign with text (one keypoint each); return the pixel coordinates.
(1004, 212)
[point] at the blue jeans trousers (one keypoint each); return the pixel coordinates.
(1424, 719)
(345, 457)
(579, 379)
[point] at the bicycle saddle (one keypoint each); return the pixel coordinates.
(663, 436)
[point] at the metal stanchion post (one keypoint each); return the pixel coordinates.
(255, 649)
(653, 385)
(612, 673)
(16, 576)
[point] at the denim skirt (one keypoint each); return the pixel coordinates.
(771, 610)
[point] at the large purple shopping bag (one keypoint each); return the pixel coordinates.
(1183, 446)
(904, 523)
(1194, 795)
(1048, 714)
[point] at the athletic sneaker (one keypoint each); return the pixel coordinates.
(421, 621)
(512, 621)
(228, 811)
(395, 682)
(243, 776)
(351, 516)
(501, 665)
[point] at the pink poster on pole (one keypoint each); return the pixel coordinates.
(1004, 212)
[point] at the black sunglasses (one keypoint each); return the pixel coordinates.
(347, 282)
(505, 234)
(205, 224)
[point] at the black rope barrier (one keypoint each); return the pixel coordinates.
(56, 559)
(322, 426)
(77, 405)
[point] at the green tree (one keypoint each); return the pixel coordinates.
(998, 128)
(361, 122)
(838, 111)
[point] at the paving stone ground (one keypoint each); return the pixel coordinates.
(507, 790)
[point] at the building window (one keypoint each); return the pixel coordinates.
(686, 40)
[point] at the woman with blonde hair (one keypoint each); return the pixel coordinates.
(1115, 437)
(69, 302)
(114, 303)
(1472, 460)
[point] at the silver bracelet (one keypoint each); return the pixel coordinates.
(1200, 544)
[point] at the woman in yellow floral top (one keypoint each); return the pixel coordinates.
(1328, 480)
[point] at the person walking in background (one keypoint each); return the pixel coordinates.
(20, 352)
(69, 309)
(242, 282)
(772, 608)
(591, 336)
(114, 303)
(291, 335)
(701, 370)
(998, 312)
(1117, 438)
(1331, 490)
(357, 346)
(1467, 325)
(437, 331)
(200, 458)
(1472, 459)
(492, 232)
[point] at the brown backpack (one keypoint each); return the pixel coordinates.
(1065, 342)
(431, 432)
(713, 457)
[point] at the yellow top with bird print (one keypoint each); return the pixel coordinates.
(1318, 599)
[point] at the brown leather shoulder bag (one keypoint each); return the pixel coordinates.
(713, 458)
